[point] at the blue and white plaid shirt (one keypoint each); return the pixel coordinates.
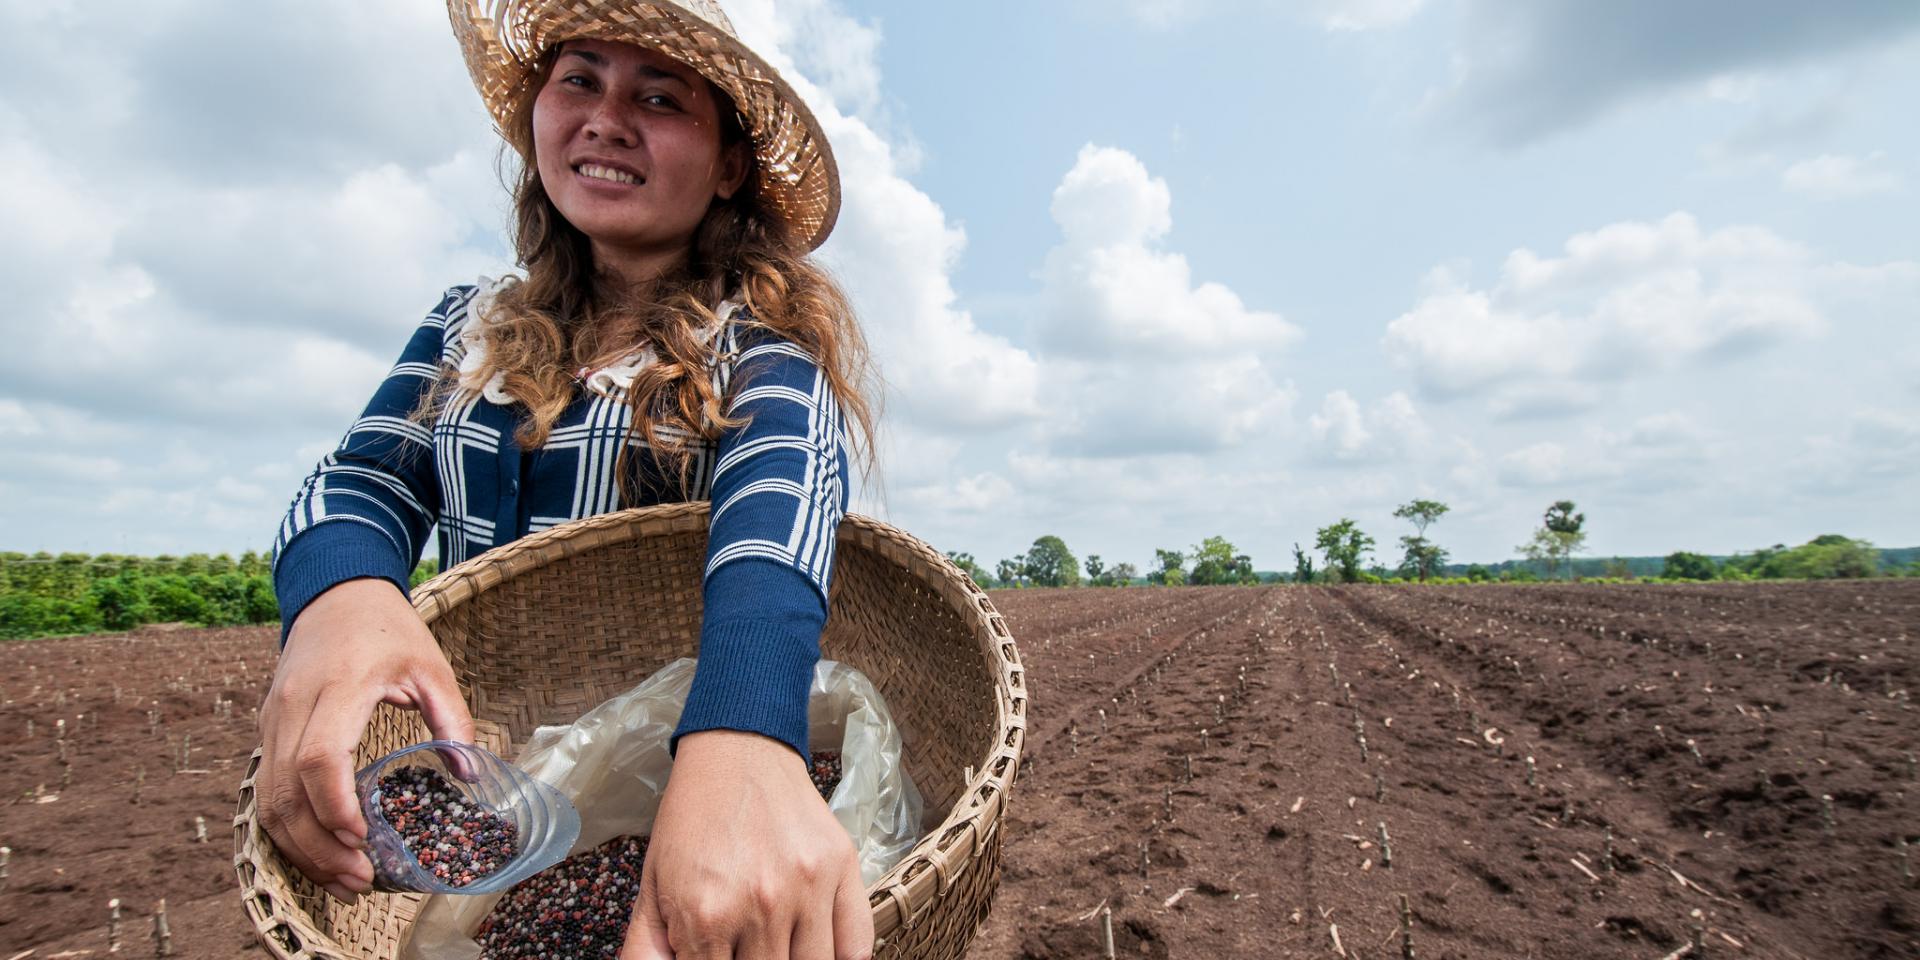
(778, 486)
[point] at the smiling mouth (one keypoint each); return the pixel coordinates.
(609, 174)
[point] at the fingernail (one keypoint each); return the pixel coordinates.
(342, 894)
(354, 882)
(351, 839)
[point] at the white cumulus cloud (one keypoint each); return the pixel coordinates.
(893, 246)
(1139, 357)
(1388, 429)
(1625, 299)
(1838, 176)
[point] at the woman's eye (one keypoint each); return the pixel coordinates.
(660, 99)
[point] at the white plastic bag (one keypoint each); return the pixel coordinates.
(613, 764)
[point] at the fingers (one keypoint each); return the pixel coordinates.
(852, 918)
(324, 761)
(440, 702)
(765, 923)
(280, 800)
(647, 933)
(282, 807)
(813, 937)
(354, 646)
(336, 866)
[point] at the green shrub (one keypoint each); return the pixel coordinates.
(24, 615)
(1682, 565)
(1827, 557)
(262, 605)
(121, 601)
(226, 596)
(174, 601)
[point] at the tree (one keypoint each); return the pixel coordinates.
(262, 605)
(1096, 570)
(173, 600)
(1050, 564)
(1344, 547)
(1422, 558)
(1560, 517)
(1215, 562)
(1122, 574)
(970, 567)
(1421, 513)
(1682, 565)
(121, 602)
(1560, 537)
(1825, 557)
(1543, 549)
(1302, 565)
(1171, 567)
(1008, 572)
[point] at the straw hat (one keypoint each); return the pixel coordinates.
(503, 40)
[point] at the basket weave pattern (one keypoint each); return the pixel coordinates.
(542, 629)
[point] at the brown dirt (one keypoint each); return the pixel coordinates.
(1275, 840)
(89, 843)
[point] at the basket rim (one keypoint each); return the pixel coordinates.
(902, 895)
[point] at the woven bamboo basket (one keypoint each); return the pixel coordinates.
(542, 629)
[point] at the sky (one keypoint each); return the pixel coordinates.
(1136, 272)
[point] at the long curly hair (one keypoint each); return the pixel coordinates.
(566, 316)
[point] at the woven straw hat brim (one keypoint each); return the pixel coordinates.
(502, 41)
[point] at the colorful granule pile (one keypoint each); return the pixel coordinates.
(457, 839)
(825, 771)
(578, 909)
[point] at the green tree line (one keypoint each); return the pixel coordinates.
(46, 594)
(1344, 553)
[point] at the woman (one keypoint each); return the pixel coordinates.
(670, 341)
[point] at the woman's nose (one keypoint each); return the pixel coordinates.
(609, 122)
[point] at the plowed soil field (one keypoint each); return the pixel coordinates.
(1546, 771)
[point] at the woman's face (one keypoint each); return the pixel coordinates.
(627, 142)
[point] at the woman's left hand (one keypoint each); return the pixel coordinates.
(746, 862)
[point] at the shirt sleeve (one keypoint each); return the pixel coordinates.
(779, 493)
(366, 509)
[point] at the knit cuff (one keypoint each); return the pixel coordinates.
(754, 676)
(327, 554)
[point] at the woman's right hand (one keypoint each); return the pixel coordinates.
(357, 645)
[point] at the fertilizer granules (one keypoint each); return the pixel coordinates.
(825, 771)
(578, 909)
(456, 839)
